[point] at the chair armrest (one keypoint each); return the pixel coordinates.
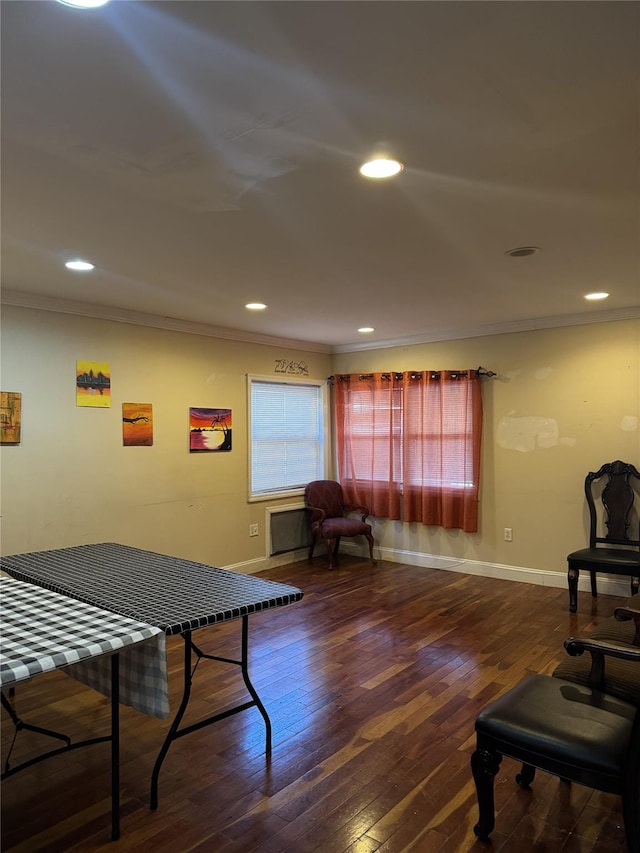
(363, 510)
(317, 514)
(599, 649)
(626, 614)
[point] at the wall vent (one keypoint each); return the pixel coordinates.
(288, 528)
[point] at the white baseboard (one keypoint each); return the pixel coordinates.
(260, 564)
(607, 585)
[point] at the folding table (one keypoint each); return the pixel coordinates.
(42, 631)
(176, 595)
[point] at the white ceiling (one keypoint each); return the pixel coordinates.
(205, 154)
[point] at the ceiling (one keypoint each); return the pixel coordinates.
(205, 154)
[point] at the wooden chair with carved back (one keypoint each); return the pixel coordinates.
(614, 529)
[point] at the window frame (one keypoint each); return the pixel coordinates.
(324, 432)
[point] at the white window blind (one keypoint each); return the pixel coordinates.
(442, 457)
(287, 441)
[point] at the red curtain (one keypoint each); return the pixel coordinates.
(408, 445)
(368, 416)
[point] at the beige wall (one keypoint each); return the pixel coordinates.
(564, 401)
(71, 481)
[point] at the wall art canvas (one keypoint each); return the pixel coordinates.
(10, 417)
(93, 384)
(137, 424)
(209, 430)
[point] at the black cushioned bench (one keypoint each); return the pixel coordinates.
(582, 723)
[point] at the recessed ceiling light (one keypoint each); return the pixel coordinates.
(595, 296)
(366, 330)
(255, 306)
(523, 251)
(381, 167)
(83, 4)
(79, 266)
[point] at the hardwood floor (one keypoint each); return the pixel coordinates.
(372, 682)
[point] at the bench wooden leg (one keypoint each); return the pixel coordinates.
(484, 766)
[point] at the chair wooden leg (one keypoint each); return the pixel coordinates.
(594, 585)
(330, 551)
(572, 578)
(526, 775)
(484, 766)
(312, 546)
(631, 814)
(370, 539)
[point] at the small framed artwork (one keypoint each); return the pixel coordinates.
(93, 384)
(137, 424)
(10, 417)
(209, 430)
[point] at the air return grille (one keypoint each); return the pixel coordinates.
(288, 527)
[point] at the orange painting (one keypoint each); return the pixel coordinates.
(10, 417)
(93, 384)
(137, 424)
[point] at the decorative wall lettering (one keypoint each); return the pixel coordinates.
(286, 365)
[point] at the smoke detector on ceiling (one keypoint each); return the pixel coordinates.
(523, 251)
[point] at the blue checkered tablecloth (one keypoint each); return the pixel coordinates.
(41, 630)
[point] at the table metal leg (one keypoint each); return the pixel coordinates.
(173, 732)
(114, 738)
(115, 747)
(249, 685)
(176, 732)
(19, 725)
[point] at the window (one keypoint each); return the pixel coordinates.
(287, 441)
(438, 436)
(409, 445)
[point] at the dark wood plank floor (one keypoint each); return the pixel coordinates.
(372, 683)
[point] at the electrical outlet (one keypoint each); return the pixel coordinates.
(253, 530)
(508, 534)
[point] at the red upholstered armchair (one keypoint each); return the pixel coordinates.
(325, 501)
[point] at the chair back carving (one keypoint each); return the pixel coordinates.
(617, 498)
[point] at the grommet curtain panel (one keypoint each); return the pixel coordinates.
(408, 445)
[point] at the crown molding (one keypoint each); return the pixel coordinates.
(459, 333)
(20, 299)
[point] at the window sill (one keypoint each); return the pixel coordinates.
(273, 496)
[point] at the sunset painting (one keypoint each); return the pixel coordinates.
(209, 430)
(137, 424)
(93, 384)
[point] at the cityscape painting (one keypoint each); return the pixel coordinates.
(93, 384)
(209, 430)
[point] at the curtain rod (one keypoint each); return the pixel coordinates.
(435, 374)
